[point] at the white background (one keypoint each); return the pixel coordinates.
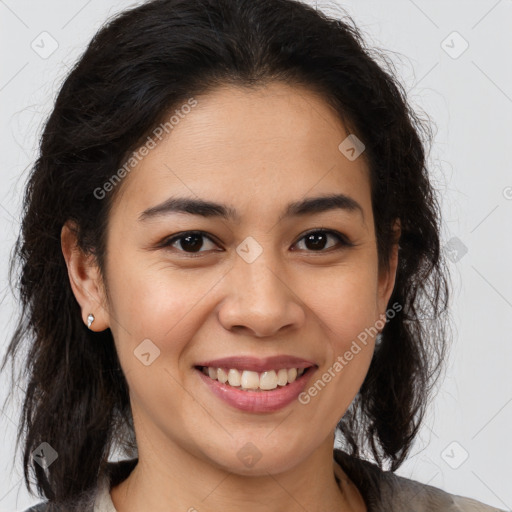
(470, 100)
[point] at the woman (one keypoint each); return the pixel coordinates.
(229, 253)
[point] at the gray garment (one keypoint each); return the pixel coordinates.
(385, 491)
(382, 491)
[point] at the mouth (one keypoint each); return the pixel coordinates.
(256, 392)
(247, 380)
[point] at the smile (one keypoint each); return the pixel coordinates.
(250, 380)
(255, 399)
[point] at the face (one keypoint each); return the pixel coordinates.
(262, 280)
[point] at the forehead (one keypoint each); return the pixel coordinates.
(258, 147)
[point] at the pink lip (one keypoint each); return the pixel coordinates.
(258, 365)
(257, 401)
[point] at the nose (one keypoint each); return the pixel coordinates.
(259, 300)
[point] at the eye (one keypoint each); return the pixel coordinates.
(316, 241)
(188, 242)
(191, 242)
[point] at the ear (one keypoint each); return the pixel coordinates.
(388, 277)
(85, 279)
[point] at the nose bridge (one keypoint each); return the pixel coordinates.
(257, 281)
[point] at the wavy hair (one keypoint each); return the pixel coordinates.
(140, 65)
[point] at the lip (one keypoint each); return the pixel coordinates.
(258, 365)
(257, 401)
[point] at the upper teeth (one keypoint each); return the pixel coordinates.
(252, 380)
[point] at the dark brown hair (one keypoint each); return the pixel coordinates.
(142, 64)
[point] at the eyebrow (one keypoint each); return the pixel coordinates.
(205, 208)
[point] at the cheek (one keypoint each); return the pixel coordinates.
(344, 300)
(346, 313)
(151, 301)
(345, 307)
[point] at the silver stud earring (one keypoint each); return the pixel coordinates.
(90, 320)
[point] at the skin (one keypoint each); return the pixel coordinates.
(255, 151)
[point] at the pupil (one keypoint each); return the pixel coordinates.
(316, 240)
(193, 242)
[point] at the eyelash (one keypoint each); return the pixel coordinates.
(168, 242)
